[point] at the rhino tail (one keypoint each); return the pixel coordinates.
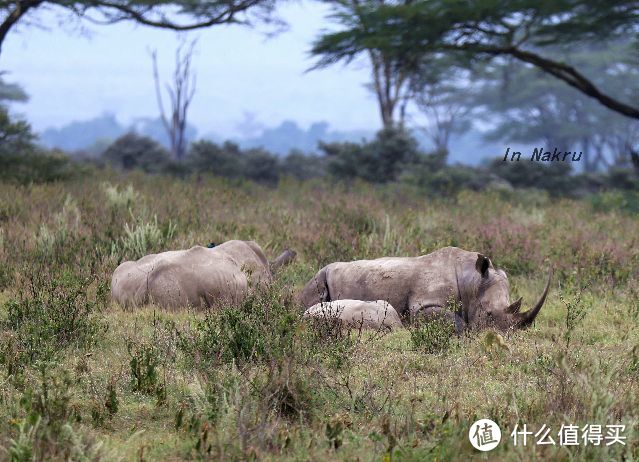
(316, 290)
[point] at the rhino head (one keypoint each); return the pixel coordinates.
(485, 300)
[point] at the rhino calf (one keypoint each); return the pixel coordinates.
(378, 314)
(198, 277)
(425, 285)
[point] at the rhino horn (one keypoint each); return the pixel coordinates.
(527, 318)
(514, 307)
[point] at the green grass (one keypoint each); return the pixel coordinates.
(290, 392)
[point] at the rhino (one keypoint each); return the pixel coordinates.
(425, 285)
(199, 277)
(378, 314)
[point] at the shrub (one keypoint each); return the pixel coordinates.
(377, 161)
(145, 366)
(208, 157)
(37, 166)
(260, 165)
(286, 390)
(445, 180)
(624, 201)
(433, 336)
(132, 151)
(229, 161)
(262, 327)
(303, 166)
(51, 313)
(556, 177)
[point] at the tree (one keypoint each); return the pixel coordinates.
(181, 94)
(390, 67)
(442, 91)
(520, 29)
(15, 135)
(177, 15)
(528, 105)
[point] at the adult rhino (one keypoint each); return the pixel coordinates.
(424, 285)
(198, 277)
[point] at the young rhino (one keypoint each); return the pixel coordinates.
(378, 314)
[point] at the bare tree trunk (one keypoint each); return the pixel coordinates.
(181, 92)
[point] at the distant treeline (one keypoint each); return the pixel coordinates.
(393, 156)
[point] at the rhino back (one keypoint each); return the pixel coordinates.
(381, 279)
(408, 283)
(195, 277)
(367, 314)
(249, 256)
(197, 283)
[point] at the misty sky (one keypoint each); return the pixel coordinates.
(75, 74)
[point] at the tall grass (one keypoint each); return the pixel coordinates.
(83, 379)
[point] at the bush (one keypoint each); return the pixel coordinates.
(51, 313)
(303, 166)
(145, 366)
(378, 161)
(47, 429)
(37, 166)
(207, 157)
(433, 336)
(260, 165)
(446, 180)
(133, 151)
(555, 177)
(625, 201)
(262, 327)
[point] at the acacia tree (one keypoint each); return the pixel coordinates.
(526, 104)
(181, 92)
(442, 92)
(390, 67)
(520, 29)
(180, 15)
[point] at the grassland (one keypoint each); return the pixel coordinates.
(83, 379)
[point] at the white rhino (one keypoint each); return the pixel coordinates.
(376, 314)
(424, 285)
(197, 277)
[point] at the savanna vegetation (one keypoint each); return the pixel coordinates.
(84, 379)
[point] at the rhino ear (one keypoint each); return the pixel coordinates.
(515, 307)
(482, 264)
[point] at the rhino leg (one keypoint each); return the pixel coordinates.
(316, 290)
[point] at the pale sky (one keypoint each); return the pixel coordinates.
(74, 75)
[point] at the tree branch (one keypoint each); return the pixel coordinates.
(22, 7)
(557, 69)
(226, 16)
